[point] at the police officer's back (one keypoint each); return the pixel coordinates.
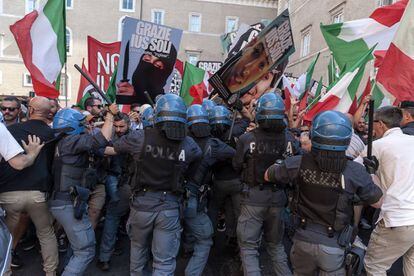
(325, 184)
(162, 157)
(262, 202)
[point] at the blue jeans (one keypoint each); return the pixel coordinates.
(165, 229)
(80, 234)
(5, 244)
(114, 212)
(111, 188)
(200, 229)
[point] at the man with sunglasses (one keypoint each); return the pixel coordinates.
(94, 106)
(10, 108)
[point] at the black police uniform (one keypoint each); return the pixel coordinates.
(262, 202)
(323, 204)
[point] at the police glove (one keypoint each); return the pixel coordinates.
(371, 165)
(238, 105)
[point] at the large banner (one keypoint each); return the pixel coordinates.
(244, 36)
(270, 48)
(102, 60)
(148, 54)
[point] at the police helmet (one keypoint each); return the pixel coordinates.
(170, 108)
(220, 115)
(208, 105)
(69, 121)
(147, 117)
(270, 106)
(196, 113)
(331, 130)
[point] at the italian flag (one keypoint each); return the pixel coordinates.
(194, 86)
(85, 88)
(395, 77)
(349, 41)
(343, 92)
(40, 36)
(304, 81)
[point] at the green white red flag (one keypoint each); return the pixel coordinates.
(395, 77)
(194, 86)
(343, 92)
(349, 41)
(40, 36)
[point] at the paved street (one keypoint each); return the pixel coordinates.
(222, 262)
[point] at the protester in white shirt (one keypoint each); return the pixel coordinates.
(393, 236)
(12, 152)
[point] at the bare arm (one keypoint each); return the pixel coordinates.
(32, 148)
(109, 122)
(110, 151)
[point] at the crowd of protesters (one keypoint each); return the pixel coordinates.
(26, 186)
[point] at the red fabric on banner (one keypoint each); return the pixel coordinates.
(102, 59)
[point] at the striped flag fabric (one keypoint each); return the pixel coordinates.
(40, 36)
(349, 41)
(343, 92)
(195, 86)
(395, 77)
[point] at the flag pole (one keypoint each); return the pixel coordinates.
(66, 84)
(66, 56)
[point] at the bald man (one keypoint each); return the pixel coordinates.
(25, 191)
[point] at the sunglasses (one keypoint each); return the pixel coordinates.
(3, 108)
(98, 105)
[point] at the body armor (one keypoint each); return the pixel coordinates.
(263, 152)
(160, 165)
(320, 197)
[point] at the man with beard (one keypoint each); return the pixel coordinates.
(94, 106)
(262, 202)
(325, 186)
(151, 75)
(118, 194)
(10, 108)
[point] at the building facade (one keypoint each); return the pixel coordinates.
(306, 17)
(203, 22)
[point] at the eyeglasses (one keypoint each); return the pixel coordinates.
(98, 105)
(3, 108)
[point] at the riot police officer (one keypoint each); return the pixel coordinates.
(147, 117)
(208, 105)
(162, 156)
(72, 183)
(325, 186)
(226, 181)
(198, 227)
(262, 202)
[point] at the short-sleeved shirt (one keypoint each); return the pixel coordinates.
(9, 147)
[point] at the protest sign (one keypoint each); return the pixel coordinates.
(210, 66)
(148, 54)
(243, 37)
(102, 61)
(177, 78)
(265, 52)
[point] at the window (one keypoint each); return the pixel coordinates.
(338, 17)
(27, 80)
(68, 41)
(381, 3)
(231, 23)
(69, 4)
(120, 27)
(305, 48)
(127, 5)
(31, 5)
(192, 58)
(157, 17)
(195, 22)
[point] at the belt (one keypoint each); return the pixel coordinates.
(319, 228)
(162, 195)
(65, 196)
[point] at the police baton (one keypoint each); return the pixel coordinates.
(101, 93)
(370, 128)
(150, 101)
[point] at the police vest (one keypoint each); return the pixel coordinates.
(263, 152)
(66, 175)
(320, 197)
(160, 164)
